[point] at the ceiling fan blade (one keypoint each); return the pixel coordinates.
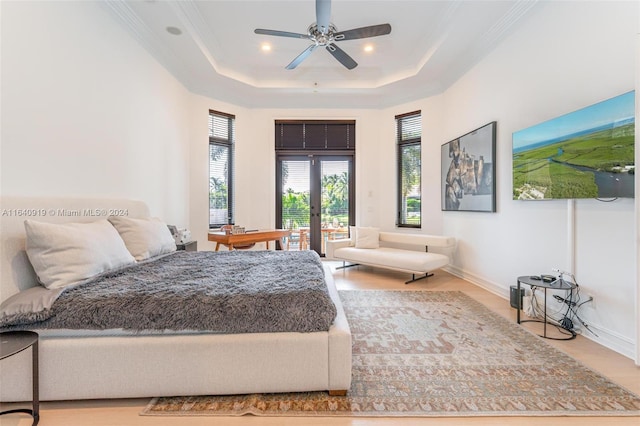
(323, 15)
(342, 56)
(364, 32)
(280, 33)
(301, 57)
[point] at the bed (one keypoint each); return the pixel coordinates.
(129, 363)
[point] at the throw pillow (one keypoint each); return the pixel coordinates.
(367, 238)
(73, 253)
(144, 238)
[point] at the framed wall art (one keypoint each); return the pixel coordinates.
(468, 171)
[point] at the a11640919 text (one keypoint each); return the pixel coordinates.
(59, 212)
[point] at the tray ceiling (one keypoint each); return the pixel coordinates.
(217, 54)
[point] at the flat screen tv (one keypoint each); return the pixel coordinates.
(587, 153)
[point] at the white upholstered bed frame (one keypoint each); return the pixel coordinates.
(118, 366)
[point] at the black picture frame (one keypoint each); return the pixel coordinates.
(468, 171)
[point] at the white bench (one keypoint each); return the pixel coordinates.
(412, 253)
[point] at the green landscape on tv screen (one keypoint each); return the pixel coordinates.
(588, 153)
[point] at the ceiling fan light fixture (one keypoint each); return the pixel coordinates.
(368, 48)
(323, 33)
(265, 47)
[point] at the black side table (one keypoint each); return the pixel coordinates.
(13, 342)
(558, 284)
(188, 246)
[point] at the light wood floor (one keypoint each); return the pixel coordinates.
(125, 412)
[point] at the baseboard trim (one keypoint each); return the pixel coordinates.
(607, 338)
(491, 287)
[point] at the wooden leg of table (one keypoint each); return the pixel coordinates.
(217, 246)
(267, 243)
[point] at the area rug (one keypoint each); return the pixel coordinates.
(423, 353)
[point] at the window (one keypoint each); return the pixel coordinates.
(221, 138)
(409, 137)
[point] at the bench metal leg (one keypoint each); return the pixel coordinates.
(414, 279)
(347, 266)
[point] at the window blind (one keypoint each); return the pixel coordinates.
(315, 135)
(409, 153)
(221, 173)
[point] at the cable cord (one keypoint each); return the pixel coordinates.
(536, 309)
(573, 302)
(564, 321)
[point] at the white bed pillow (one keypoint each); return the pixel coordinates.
(367, 237)
(72, 253)
(144, 238)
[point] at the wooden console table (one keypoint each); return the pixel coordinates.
(230, 240)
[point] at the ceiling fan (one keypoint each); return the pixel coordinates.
(323, 33)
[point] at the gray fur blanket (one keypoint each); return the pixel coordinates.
(224, 292)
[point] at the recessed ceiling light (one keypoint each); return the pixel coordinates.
(174, 30)
(265, 47)
(368, 48)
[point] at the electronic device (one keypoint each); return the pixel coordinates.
(605, 156)
(535, 277)
(548, 278)
(514, 296)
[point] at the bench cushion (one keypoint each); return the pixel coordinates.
(417, 239)
(393, 258)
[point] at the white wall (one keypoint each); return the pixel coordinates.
(566, 56)
(86, 111)
(637, 185)
(255, 163)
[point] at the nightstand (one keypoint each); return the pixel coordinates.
(190, 246)
(13, 342)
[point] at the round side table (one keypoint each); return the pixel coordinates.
(558, 284)
(13, 342)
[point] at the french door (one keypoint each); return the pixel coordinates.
(314, 199)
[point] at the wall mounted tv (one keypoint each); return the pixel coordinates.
(588, 153)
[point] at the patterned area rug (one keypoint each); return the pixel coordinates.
(422, 353)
